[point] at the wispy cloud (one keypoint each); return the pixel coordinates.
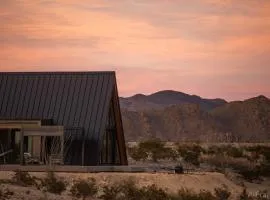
(207, 47)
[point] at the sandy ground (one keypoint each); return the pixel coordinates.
(171, 182)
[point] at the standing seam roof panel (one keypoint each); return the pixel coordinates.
(3, 80)
(25, 88)
(12, 103)
(99, 114)
(73, 110)
(53, 111)
(49, 95)
(33, 100)
(81, 101)
(69, 99)
(94, 108)
(37, 105)
(62, 85)
(105, 109)
(64, 101)
(24, 109)
(90, 99)
(17, 94)
(5, 97)
(44, 97)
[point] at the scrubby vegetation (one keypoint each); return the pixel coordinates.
(152, 149)
(23, 179)
(84, 188)
(125, 190)
(129, 191)
(252, 162)
(52, 184)
(5, 193)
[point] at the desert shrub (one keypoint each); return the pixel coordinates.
(52, 184)
(264, 169)
(214, 160)
(5, 193)
(190, 147)
(121, 191)
(152, 192)
(129, 190)
(234, 152)
(84, 188)
(191, 157)
(185, 194)
(110, 192)
(242, 166)
(258, 150)
(222, 193)
(23, 178)
(214, 150)
(266, 153)
(190, 153)
(170, 154)
(137, 153)
(254, 173)
(154, 147)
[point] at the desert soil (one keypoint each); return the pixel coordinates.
(171, 182)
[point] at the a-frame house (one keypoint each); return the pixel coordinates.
(71, 116)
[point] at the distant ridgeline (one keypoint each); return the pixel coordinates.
(175, 116)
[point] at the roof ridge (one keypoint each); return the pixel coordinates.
(58, 72)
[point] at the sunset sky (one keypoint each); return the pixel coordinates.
(211, 48)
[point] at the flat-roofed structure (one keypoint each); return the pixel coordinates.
(71, 117)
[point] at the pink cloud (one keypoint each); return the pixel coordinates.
(210, 48)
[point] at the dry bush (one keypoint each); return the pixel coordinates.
(185, 194)
(23, 179)
(52, 184)
(5, 193)
(154, 149)
(110, 192)
(84, 188)
(190, 153)
(226, 162)
(129, 190)
(222, 193)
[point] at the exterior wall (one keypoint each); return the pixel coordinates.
(36, 146)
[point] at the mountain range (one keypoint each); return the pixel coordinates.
(176, 116)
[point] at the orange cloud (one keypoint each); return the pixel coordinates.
(194, 46)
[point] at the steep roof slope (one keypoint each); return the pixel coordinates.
(77, 100)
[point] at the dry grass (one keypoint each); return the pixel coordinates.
(170, 182)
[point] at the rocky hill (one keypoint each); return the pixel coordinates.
(249, 120)
(174, 116)
(166, 98)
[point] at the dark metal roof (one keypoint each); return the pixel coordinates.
(71, 99)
